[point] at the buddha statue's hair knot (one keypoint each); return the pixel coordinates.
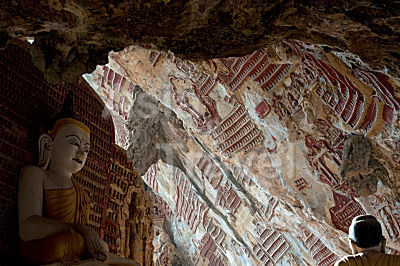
(67, 117)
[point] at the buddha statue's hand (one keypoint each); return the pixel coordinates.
(95, 247)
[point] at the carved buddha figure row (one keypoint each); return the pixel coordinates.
(234, 131)
(320, 253)
(350, 110)
(226, 196)
(349, 106)
(271, 245)
(188, 206)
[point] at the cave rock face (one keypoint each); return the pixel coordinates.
(249, 166)
(72, 37)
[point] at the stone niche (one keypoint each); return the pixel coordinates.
(121, 210)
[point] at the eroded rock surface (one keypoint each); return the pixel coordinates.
(261, 152)
(155, 132)
(359, 168)
(72, 37)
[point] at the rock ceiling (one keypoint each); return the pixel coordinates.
(72, 36)
(257, 162)
(261, 156)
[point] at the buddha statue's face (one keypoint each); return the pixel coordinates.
(70, 149)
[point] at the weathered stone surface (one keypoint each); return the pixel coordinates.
(155, 132)
(165, 250)
(260, 152)
(116, 93)
(359, 168)
(72, 37)
(356, 155)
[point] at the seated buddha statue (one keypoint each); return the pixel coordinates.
(53, 208)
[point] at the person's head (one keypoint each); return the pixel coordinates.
(66, 144)
(365, 232)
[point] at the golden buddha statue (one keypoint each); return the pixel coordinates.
(53, 209)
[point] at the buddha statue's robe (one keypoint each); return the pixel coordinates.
(66, 205)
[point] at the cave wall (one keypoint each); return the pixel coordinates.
(166, 250)
(257, 174)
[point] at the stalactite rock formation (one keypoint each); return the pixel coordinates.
(72, 36)
(263, 168)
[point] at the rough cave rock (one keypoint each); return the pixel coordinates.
(72, 37)
(259, 159)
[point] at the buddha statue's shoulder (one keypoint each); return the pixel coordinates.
(32, 173)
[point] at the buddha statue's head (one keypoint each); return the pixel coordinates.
(66, 145)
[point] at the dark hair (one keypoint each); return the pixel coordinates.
(365, 231)
(67, 110)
